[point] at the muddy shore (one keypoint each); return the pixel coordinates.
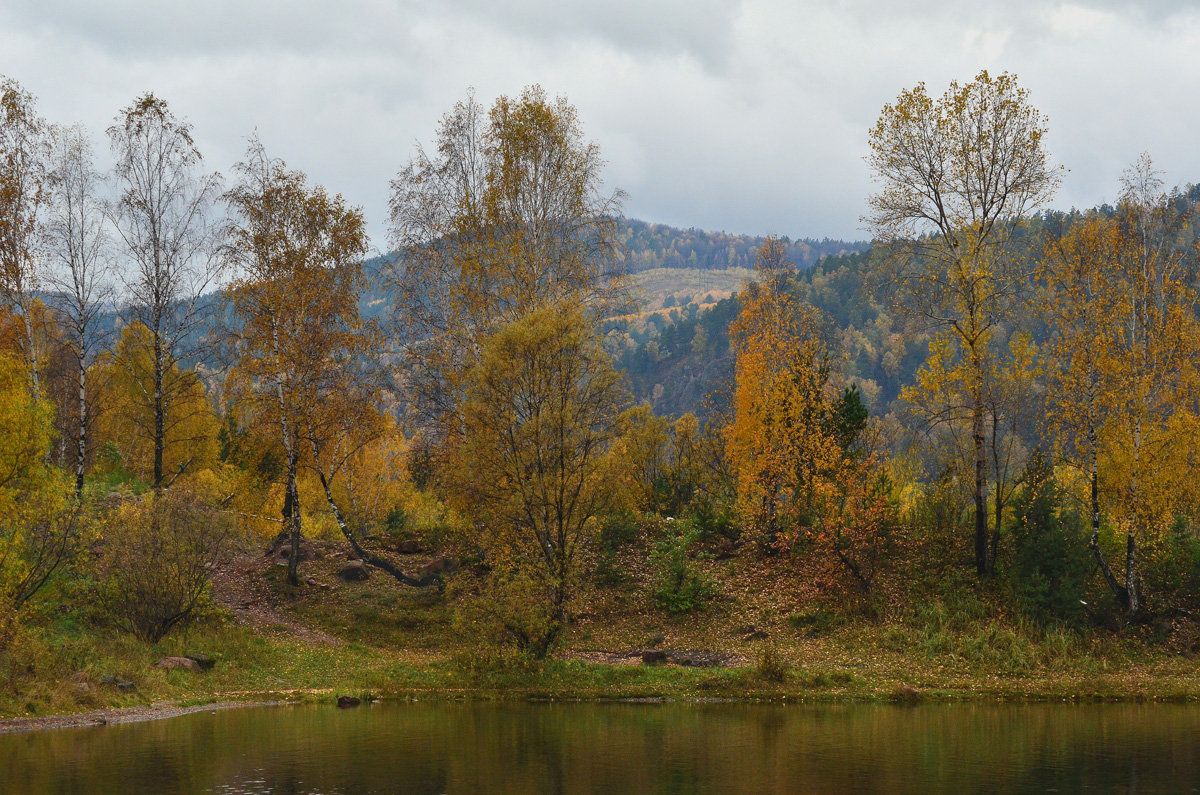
(106, 717)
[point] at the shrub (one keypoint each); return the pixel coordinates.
(156, 565)
(771, 666)
(713, 520)
(618, 529)
(511, 607)
(681, 588)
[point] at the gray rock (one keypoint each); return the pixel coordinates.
(175, 663)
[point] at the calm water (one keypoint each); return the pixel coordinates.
(614, 748)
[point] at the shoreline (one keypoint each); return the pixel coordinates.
(117, 715)
(535, 695)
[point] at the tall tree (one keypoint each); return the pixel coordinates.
(298, 252)
(780, 442)
(956, 177)
(540, 412)
(82, 277)
(24, 144)
(506, 216)
(163, 217)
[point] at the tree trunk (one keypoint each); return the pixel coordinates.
(159, 412)
(1133, 606)
(994, 547)
(30, 351)
(81, 439)
(977, 437)
(1118, 590)
(368, 557)
(293, 497)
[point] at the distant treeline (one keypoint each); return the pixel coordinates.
(646, 245)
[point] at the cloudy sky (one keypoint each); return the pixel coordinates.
(747, 117)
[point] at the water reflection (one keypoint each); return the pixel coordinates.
(613, 748)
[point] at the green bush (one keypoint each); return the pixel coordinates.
(1050, 563)
(618, 529)
(681, 588)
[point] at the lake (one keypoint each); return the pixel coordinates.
(613, 748)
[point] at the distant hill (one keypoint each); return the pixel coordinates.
(648, 246)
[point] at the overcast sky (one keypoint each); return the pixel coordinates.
(747, 117)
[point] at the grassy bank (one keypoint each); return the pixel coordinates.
(66, 672)
(379, 638)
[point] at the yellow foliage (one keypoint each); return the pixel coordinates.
(537, 421)
(190, 425)
(778, 442)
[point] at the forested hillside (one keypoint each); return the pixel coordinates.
(677, 358)
(646, 246)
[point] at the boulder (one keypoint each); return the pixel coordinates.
(354, 571)
(346, 702)
(175, 663)
(308, 551)
(442, 565)
(410, 546)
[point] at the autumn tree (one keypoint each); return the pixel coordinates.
(298, 254)
(943, 401)
(81, 277)
(39, 527)
(24, 143)
(506, 216)
(779, 441)
(1124, 350)
(539, 413)
(956, 176)
(163, 218)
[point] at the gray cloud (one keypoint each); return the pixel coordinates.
(746, 117)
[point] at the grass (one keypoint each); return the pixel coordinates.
(784, 642)
(856, 662)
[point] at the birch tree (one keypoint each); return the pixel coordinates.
(81, 275)
(298, 252)
(956, 176)
(1126, 350)
(163, 217)
(24, 144)
(540, 413)
(506, 216)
